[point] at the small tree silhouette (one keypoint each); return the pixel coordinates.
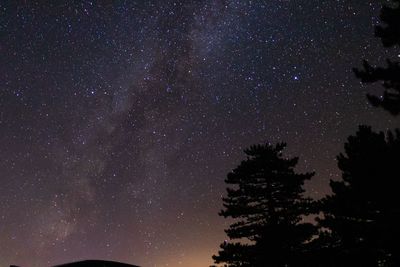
(267, 204)
(363, 214)
(389, 76)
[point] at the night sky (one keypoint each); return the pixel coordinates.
(119, 120)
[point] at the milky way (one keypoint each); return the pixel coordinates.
(119, 121)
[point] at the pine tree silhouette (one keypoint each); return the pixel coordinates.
(362, 216)
(266, 202)
(389, 76)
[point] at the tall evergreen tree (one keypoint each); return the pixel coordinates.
(362, 215)
(265, 200)
(390, 75)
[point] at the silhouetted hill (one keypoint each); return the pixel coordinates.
(93, 263)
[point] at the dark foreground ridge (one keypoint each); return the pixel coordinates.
(93, 263)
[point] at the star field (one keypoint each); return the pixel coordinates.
(119, 120)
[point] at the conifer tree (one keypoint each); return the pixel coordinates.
(362, 215)
(390, 75)
(265, 200)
